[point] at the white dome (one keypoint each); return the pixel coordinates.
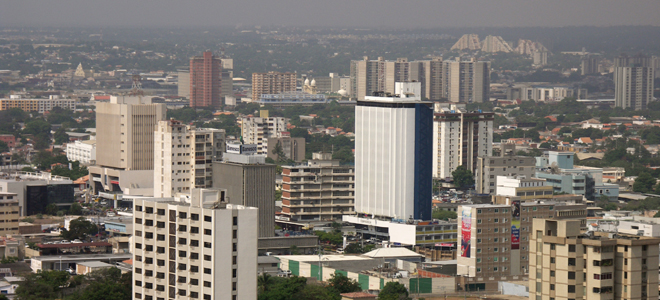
(342, 92)
(306, 81)
(313, 82)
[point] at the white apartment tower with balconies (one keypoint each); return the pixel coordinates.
(194, 246)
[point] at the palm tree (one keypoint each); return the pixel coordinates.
(264, 282)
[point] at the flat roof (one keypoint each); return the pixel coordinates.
(392, 252)
(79, 257)
(315, 258)
(95, 264)
(74, 245)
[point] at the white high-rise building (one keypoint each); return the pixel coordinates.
(393, 176)
(183, 157)
(633, 81)
(194, 247)
(459, 137)
(257, 130)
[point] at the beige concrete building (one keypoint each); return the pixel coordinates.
(38, 105)
(293, 148)
(571, 264)
(257, 130)
(368, 76)
(466, 81)
(633, 81)
(194, 247)
(319, 191)
(272, 83)
(249, 181)
(490, 167)
(183, 157)
(125, 139)
(493, 240)
(459, 138)
(523, 188)
(9, 214)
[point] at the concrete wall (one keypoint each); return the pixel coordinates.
(509, 288)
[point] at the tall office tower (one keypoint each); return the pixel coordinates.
(183, 157)
(183, 84)
(249, 181)
(272, 83)
(493, 239)
(459, 137)
(227, 74)
(589, 65)
(572, 264)
(507, 164)
(633, 81)
(205, 81)
(393, 173)
(194, 247)
(331, 193)
(125, 144)
(466, 81)
(257, 130)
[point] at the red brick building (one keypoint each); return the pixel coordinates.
(205, 81)
(9, 139)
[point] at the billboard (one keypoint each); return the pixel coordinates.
(466, 231)
(515, 225)
(241, 149)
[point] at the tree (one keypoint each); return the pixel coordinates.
(463, 177)
(316, 292)
(283, 288)
(42, 285)
(644, 183)
(51, 209)
(75, 209)
(279, 152)
(107, 284)
(60, 136)
(263, 282)
(340, 284)
(79, 228)
(444, 214)
(393, 291)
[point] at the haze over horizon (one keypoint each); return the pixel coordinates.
(338, 13)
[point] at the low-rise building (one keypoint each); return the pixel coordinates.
(9, 213)
(522, 188)
(82, 151)
(38, 105)
(490, 167)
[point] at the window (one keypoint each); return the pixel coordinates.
(160, 237)
(571, 289)
(571, 275)
(182, 215)
(207, 271)
(182, 241)
(194, 281)
(160, 262)
(194, 243)
(552, 246)
(194, 255)
(478, 221)
(182, 267)
(148, 248)
(182, 279)
(160, 224)
(182, 253)
(571, 261)
(149, 210)
(235, 221)
(552, 260)
(552, 287)
(194, 269)
(207, 231)
(148, 260)
(138, 207)
(194, 295)
(194, 217)
(552, 273)
(194, 229)
(478, 250)
(207, 257)
(571, 248)
(207, 219)
(207, 284)
(182, 228)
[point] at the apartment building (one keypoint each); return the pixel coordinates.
(205, 81)
(571, 264)
(125, 131)
(194, 247)
(633, 81)
(257, 130)
(493, 239)
(249, 181)
(522, 188)
(9, 213)
(490, 167)
(459, 138)
(292, 148)
(369, 76)
(39, 105)
(183, 157)
(466, 81)
(319, 191)
(82, 151)
(272, 83)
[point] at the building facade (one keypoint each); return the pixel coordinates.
(82, 151)
(633, 82)
(320, 191)
(466, 81)
(249, 181)
(257, 130)
(39, 105)
(125, 131)
(272, 83)
(393, 158)
(493, 240)
(205, 81)
(292, 148)
(184, 156)
(490, 167)
(570, 264)
(183, 84)
(196, 247)
(9, 213)
(459, 138)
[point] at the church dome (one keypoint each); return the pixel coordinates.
(306, 81)
(342, 92)
(313, 82)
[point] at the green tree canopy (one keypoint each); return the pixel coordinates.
(463, 178)
(341, 284)
(79, 228)
(644, 183)
(444, 214)
(393, 291)
(42, 285)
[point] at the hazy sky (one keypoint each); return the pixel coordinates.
(343, 13)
